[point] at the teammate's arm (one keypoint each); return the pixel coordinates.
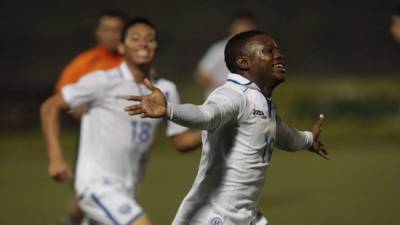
(204, 73)
(86, 90)
(187, 141)
(290, 139)
(204, 80)
(49, 115)
(203, 117)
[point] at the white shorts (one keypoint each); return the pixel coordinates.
(208, 216)
(109, 204)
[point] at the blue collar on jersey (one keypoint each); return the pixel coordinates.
(241, 80)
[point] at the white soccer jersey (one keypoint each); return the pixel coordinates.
(113, 145)
(213, 62)
(241, 127)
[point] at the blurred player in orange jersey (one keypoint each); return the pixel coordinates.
(102, 57)
(395, 26)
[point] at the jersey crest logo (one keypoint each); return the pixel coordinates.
(125, 209)
(216, 221)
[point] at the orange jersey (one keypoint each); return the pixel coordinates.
(91, 60)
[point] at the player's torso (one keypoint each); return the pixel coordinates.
(257, 128)
(115, 142)
(247, 149)
(234, 162)
(127, 133)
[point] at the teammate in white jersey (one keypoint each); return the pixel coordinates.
(211, 71)
(240, 128)
(114, 147)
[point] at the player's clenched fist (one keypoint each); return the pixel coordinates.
(153, 105)
(60, 171)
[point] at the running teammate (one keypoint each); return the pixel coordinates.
(240, 129)
(102, 57)
(211, 71)
(113, 149)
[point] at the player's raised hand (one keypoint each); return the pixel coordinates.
(60, 171)
(153, 105)
(317, 146)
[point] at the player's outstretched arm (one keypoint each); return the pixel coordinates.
(49, 115)
(317, 146)
(290, 139)
(204, 117)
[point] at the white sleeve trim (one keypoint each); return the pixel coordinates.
(67, 94)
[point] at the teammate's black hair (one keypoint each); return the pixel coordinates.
(245, 14)
(235, 46)
(134, 21)
(113, 13)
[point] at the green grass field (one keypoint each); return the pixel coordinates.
(359, 186)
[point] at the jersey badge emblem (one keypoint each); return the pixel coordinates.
(216, 221)
(125, 209)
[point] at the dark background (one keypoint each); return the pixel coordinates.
(319, 38)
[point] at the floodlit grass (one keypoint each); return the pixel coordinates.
(360, 185)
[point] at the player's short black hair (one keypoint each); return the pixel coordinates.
(235, 46)
(113, 13)
(134, 21)
(396, 10)
(246, 15)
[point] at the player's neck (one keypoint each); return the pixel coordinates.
(139, 72)
(267, 91)
(267, 88)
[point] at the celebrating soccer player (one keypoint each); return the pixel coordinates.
(241, 127)
(113, 149)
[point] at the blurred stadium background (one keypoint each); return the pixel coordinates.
(342, 62)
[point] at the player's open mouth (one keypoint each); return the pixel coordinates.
(279, 66)
(142, 52)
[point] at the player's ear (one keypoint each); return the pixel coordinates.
(242, 62)
(121, 48)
